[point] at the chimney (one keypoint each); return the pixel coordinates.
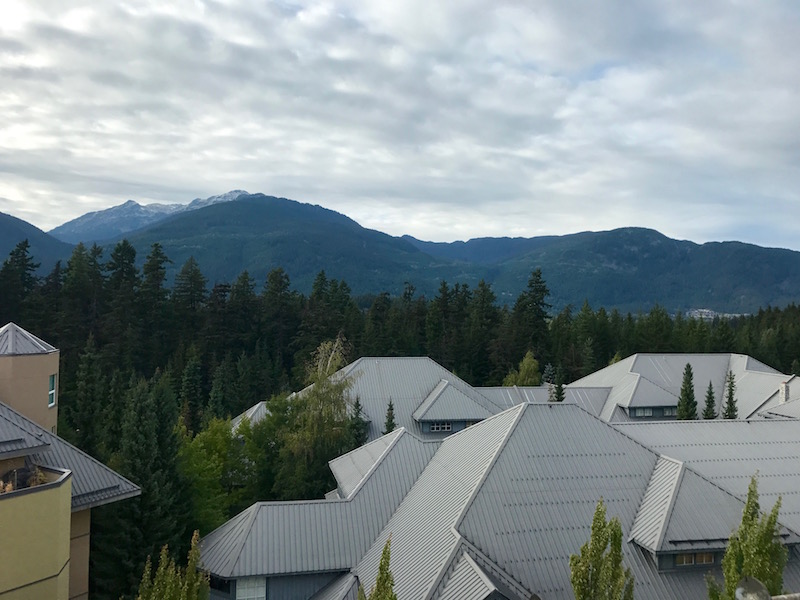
(783, 396)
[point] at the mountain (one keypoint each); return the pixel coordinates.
(631, 268)
(45, 249)
(129, 216)
(258, 233)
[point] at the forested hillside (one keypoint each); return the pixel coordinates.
(149, 373)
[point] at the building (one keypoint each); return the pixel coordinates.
(49, 486)
(495, 510)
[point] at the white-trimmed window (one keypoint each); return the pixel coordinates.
(670, 411)
(251, 588)
(704, 558)
(51, 394)
(441, 426)
(643, 412)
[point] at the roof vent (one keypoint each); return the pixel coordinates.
(783, 396)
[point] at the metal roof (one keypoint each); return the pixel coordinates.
(254, 414)
(651, 519)
(407, 382)
(447, 403)
(14, 340)
(648, 380)
(351, 468)
(272, 538)
(93, 483)
(15, 441)
(344, 587)
(424, 539)
(466, 582)
(729, 453)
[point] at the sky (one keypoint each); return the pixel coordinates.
(443, 120)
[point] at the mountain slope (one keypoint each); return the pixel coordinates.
(45, 249)
(258, 233)
(129, 216)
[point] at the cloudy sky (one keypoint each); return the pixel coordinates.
(444, 120)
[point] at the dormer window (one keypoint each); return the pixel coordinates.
(670, 411)
(643, 412)
(694, 558)
(441, 426)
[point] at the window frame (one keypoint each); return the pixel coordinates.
(251, 588)
(441, 426)
(52, 385)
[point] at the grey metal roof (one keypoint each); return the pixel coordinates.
(729, 453)
(254, 414)
(424, 539)
(15, 340)
(648, 380)
(93, 483)
(651, 519)
(407, 382)
(351, 468)
(344, 587)
(447, 403)
(272, 538)
(467, 581)
(15, 441)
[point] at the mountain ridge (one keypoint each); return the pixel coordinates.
(629, 268)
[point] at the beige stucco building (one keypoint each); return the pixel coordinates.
(47, 486)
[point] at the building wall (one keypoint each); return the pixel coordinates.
(36, 566)
(79, 555)
(25, 383)
(297, 587)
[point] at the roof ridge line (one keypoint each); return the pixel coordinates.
(451, 556)
(676, 486)
(430, 399)
(250, 519)
(363, 481)
(520, 408)
(501, 574)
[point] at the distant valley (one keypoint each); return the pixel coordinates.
(630, 268)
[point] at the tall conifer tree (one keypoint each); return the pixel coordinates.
(687, 405)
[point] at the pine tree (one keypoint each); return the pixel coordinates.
(597, 573)
(17, 281)
(730, 410)
(191, 399)
(389, 425)
(549, 373)
(559, 394)
(710, 408)
(359, 428)
(754, 549)
(687, 405)
(85, 413)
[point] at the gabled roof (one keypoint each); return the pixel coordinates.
(14, 340)
(466, 582)
(253, 414)
(93, 483)
(648, 380)
(729, 453)
(448, 403)
(423, 529)
(272, 538)
(351, 468)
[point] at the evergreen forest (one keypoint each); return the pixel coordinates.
(151, 373)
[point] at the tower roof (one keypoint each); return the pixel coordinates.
(14, 340)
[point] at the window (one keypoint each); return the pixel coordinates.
(441, 426)
(642, 412)
(251, 588)
(704, 558)
(51, 394)
(670, 411)
(684, 560)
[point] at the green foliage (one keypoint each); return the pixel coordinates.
(730, 410)
(389, 425)
(359, 427)
(597, 573)
(527, 374)
(687, 405)
(754, 549)
(172, 582)
(384, 585)
(710, 407)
